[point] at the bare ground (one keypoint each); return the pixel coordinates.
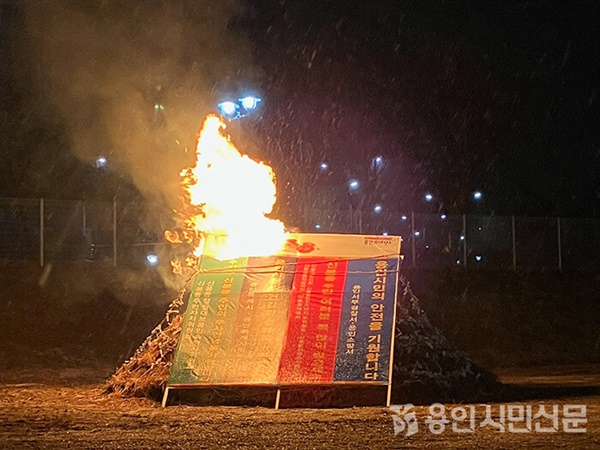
(66, 408)
(58, 335)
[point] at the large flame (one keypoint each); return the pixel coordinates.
(230, 195)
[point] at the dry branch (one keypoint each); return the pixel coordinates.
(146, 373)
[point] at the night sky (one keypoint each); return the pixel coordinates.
(455, 97)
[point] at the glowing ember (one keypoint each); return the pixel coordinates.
(227, 198)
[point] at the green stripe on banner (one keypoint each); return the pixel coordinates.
(208, 328)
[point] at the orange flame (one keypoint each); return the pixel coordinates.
(229, 196)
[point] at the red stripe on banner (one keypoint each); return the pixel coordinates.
(313, 322)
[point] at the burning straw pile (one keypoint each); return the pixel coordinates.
(424, 365)
(426, 368)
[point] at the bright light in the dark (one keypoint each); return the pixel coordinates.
(417, 233)
(404, 218)
(377, 164)
(478, 257)
(462, 238)
(152, 259)
(228, 109)
(477, 195)
(385, 233)
(377, 209)
(443, 217)
(324, 166)
(101, 162)
(428, 197)
(231, 110)
(353, 185)
(317, 227)
(249, 102)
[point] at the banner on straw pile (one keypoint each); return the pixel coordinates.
(320, 312)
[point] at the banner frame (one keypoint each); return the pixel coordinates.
(279, 386)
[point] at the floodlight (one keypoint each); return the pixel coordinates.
(249, 103)
(228, 109)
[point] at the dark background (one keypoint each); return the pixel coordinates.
(455, 96)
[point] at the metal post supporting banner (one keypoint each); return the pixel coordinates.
(165, 397)
(388, 399)
(42, 213)
(277, 398)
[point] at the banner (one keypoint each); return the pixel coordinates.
(319, 312)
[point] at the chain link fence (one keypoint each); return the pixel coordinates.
(436, 241)
(58, 231)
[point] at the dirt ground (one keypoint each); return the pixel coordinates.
(61, 343)
(65, 408)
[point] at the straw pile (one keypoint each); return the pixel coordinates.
(146, 373)
(426, 367)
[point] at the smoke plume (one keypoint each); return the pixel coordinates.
(133, 80)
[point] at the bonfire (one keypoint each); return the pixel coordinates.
(209, 223)
(425, 366)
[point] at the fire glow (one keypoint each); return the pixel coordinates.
(227, 197)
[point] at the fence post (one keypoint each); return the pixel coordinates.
(559, 236)
(464, 233)
(115, 231)
(84, 218)
(42, 213)
(412, 239)
(360, 226)
(514, 243)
